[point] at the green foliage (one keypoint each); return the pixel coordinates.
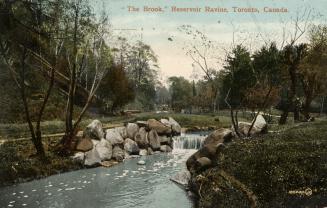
(181, 93)
(238, 75)
(275, 164)
(116, 89)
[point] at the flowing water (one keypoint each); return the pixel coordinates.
(125, 185)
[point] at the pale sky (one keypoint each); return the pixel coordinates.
(253, 29)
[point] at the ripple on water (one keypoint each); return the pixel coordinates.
(121, 186)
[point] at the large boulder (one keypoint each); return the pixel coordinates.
(166, 140)
(260, 126)
(176, 128)
(84, 145)
(132, 129)
(211, 147)
(182, 178)
(104, 149)
(131, 147)
(203, 162)
(94, 130)
(165, 122)
(160, 128)
(154, 140)
(92, 158)
(141, 138)
(118, 153)
(142, 124)
(165, 148)
(114, 137)
(122, 131)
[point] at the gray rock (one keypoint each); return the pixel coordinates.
(143, 152)
(154, 140)
(122, 131)
(166, 140)
(79, 157)
(165, 122)
(204, 162)
(92, 158)
(182, 178)
(104, 149)
(117, 153)
(261, 124)
(132, 129)
(212, 145)
(131, 147)
(142, 124)
(141, 138)
(159, 127)
(150, 151)
(175, 126)
(165, 148)
(94, 130)
(114, 137)
(141, 162)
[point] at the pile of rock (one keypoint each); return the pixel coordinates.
(212, 145)
(140, 138)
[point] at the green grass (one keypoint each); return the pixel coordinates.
(274, 164)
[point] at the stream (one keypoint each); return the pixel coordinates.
(122, 186)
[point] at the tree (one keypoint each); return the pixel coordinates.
(292, 57)
(312, 69)
(116, 90)
(201, 50)
(181, 93)
(29, 46)
(85, 50)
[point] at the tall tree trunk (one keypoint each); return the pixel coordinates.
(306, 107)
(36, 137)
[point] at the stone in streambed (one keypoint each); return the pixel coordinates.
(118, 153)
(131, 147)
(141, 162)
(104, 149)
(182, 178)
(159, 127)
(122, 131)
(141, 138)
(94, 130)
(165, 148)
(84, 145)
(92, 158)
(132, 129)
(154, 140)
(114, 137)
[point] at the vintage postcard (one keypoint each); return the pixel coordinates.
(163, 103)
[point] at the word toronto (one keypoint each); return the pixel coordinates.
(208, 9)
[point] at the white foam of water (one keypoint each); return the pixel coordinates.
(70, 189)
(188, 142)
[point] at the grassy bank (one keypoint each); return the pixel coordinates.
(18, 162)
(13, 131)
(285, 169)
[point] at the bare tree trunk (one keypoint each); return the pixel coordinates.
(36, 137)
(322, 105)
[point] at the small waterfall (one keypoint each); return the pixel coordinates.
(188, 141)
